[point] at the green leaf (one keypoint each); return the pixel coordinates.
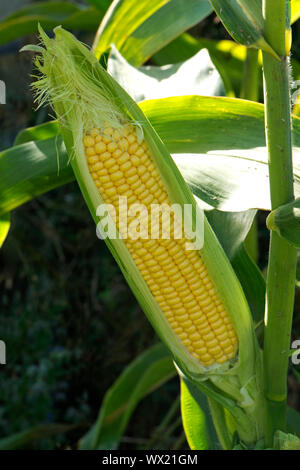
(196, 417)
(138, 29)
(196, 76)
(227, 56)
(295, 10)
(22, 439)
(285, 220)
(41, 132)
(4, 227)
(101, 5)
(49, 14)
(146, 373)
(222, 163)
(31, 169)
(244, 20)
(231, 229)
(252, 282)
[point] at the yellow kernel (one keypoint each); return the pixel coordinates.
(106, 139)
(150, 183)
(132, 179)
(135, 160)
(104, 179)
(114, 168)
(141, 170)
(145, 177)
(98, 166)
(109, 163)
(108, 185)
(216, 352)
(124, 158)
(108, 131)
(117, 153)
(130, 172)
(123, 188)
(100, 147)
(105, 156)
(125, 166)
(112, 146)
(103, 172)
(123, 144)
(116, 135)
(88, 141)
(132, 148)
(139, 152)
(229, 350)
(207, 359)
(131, 138)
(94, 131)
(93, 159)
(111, 191)
(89, 151)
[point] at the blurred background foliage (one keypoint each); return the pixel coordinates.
(70, 323)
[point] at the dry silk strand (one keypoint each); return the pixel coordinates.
(122, 166)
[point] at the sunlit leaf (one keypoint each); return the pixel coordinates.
(195, 417)
(42, 166)
(217, 143)
(295, 10)
(138, 29)
(196, 76)
(4, 227)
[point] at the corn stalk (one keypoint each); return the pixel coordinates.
(282, 256)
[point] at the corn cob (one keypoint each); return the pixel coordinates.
(191, 296)
(178, 279)
(112, 160)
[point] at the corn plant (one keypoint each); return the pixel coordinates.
(201, 291)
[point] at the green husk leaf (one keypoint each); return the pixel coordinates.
(85, 96)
